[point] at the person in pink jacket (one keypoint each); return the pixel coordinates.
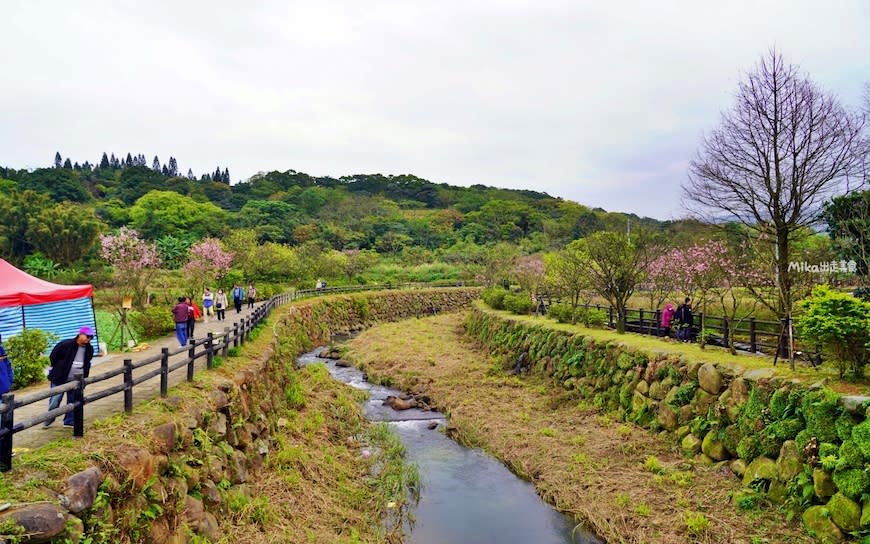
(667, 317)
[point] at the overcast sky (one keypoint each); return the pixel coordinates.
(598, 102)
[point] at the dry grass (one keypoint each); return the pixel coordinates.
(580, 461)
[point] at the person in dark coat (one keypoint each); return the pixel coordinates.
(6, 376)
(70, 360)
(685, 320)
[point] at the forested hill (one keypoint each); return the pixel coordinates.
(371, 211)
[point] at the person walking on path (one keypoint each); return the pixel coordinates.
(191, 319)
(6, 375)
(667, 317)
(180, 313)
(252, 295)
(70, 360)
(238, 297)
(207, 304)
(220, 304)
(685, 320)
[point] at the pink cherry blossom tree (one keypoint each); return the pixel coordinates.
(134, 262)
(529, 272)
(208, 262)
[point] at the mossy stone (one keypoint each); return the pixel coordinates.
(823, 483)
(681, 432)
(762, 468)
(738, 467)
(667, 417)
(845, 512)
(705, 460)
(642, 387)
(691, 444)
(816, 519)
(702, 402)
(865, 512)
(850, 456)
(788, 464)
(713, 447)
(657, 390)
(710, 379)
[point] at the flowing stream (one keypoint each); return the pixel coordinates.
(467, 495)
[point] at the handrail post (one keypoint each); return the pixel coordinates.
(164, 372)
(610, 317)
(7, 422)
(753, 341)
(640, 313)
(191, 356)
(128, 386)
(79, 412)
(209, 351)
(235, 335)
(226, 342)
(242, 332)
(658, 323)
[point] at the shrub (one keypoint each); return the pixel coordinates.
(840, 323)
(27, 355)
(519, 303)
(852, 482)
(494, 297)
(153, 322)
(561, 312)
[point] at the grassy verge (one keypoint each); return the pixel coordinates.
(622, 482)
(318, 485)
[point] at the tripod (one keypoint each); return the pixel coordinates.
(122, 327)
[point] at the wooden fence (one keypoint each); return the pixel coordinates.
(750, 335)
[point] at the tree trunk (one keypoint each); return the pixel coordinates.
(620, 318)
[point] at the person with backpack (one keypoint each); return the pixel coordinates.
(238, 297)
(685, 320)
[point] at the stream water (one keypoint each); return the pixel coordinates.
(467, 495)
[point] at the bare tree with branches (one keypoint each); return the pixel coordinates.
(784, 147)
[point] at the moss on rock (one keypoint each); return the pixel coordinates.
(852, 482)
(845, 512)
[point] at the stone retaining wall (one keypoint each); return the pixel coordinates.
(803, 446)
(172, 480)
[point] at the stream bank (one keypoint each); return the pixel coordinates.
(467, 495)
(627, 484)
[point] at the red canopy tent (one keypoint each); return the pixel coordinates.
(28, 302)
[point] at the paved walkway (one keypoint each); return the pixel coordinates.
(38, 436)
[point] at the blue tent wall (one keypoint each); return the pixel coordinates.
(63, 318)
(10, 321)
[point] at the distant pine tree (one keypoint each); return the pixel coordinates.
(190, 175)
(142, 160)
(173, 167)
(129, 161)
(114, 161)
(155, 165)
(227, 176)
(77, 166)
(87, 166)
(104, 162)
(58, 160)
(164, 170)
(67, 163)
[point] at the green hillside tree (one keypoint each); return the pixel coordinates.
(64, 233)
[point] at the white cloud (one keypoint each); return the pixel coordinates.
(599, 102)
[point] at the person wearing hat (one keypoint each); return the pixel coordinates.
(70, 359)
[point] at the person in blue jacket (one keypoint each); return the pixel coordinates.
(6, 375)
